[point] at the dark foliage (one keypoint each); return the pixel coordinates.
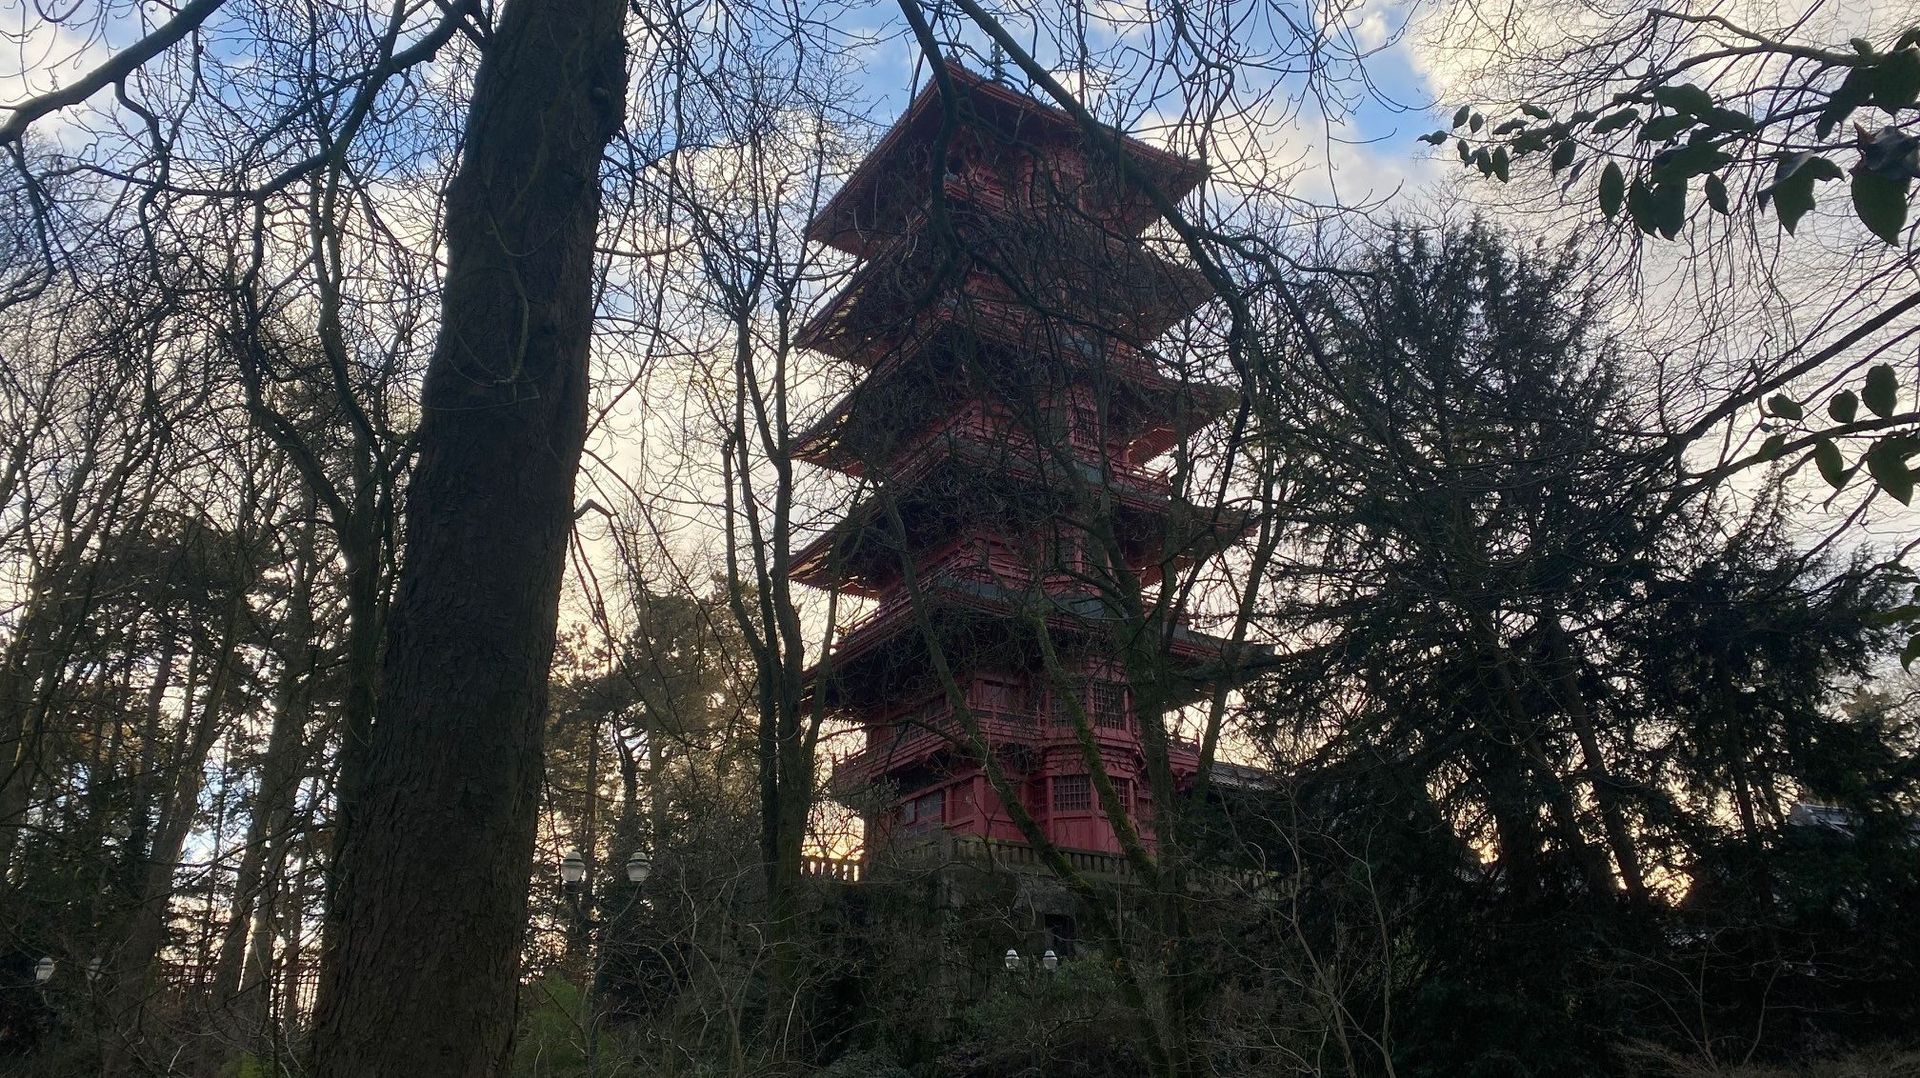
(1555, 714)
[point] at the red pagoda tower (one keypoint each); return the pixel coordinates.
(1002, 430)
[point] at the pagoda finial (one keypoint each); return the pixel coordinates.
(997, 63)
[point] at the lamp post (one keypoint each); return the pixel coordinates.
(1014, 961)
(573, 872)
(573, 881)
(42, 979)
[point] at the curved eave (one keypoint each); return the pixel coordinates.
(822, 562)
(1120, 290)
(971, 617)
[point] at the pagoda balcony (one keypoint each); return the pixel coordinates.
(914, 736)
(1017, 329)
(1132, 293)
(1008, 447)
(891, 614)
(894, 614)
(870, 562)
(1157, 411)
(872, 650)
(985, 447)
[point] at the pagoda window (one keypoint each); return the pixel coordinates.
(1023, 172)
(1107, 705)
(1072, 793)
(1081, 342)
(927, 718)
(1053, 426)
(1062, 551)
(1000, 696)
(923, 811)
(1085, 422)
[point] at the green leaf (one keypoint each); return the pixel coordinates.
(1895, 81)
(1820, 169)
(1613, 188)
(1910, 653)
(1686, 162)
(1792, 198)
(1844, 406)
(1562, 155)
(1805, 165)
(1662, 128)
(1833, 467)
(1881, 390)
(1861, 45)
(1500, 164)
(1436, 138)
(1684, 97)
(1728, 120)
(1510, 126)
(1536, 112)
(1476, 122)
(1785, 407)
(1897, 615)
(1462, 115)
(1640, 206)
(1466, 152)
(1773, 447)
(1853, 92)
(1887, 463)
(1717, 194)
(1614, 121)
(1881, 202)
(1891, 152)
(1668, 206)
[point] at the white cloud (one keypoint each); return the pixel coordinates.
(1372, 30)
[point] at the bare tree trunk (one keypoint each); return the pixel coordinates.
(1626, 853)
(656, 787)
(271, 816)
(147, 930)
(256, 991)
(30, 676)
(360, 551)
(19, 738)
(59, 607)
(433, 873)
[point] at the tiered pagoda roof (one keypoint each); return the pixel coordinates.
(895, 179)
(1004, 311)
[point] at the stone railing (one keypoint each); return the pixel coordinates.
(944, 850)
(836, 869)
